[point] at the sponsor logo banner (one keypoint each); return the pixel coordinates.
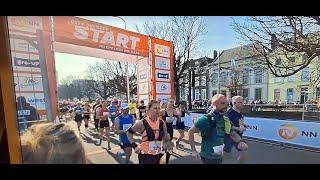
(143, 88)
(161, 50)
(162, 75)
(162, 63)
(162, 87)
(26, 62)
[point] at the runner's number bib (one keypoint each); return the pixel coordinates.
(125, 127)
(170, 119)
(155, 146)
(218, 149)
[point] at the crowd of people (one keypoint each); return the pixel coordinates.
(220, 131)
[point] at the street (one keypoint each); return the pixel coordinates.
(258, 153)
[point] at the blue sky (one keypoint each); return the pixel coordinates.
(220, 36)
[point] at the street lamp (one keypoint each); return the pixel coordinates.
(127, 64)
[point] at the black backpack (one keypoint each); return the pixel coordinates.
(150, 133)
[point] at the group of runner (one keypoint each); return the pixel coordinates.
(220, 129)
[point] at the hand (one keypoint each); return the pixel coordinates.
(242, 129)
(195, 155)
(137, 150)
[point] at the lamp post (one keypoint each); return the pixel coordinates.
(127, 64)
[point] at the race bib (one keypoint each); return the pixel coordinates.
(143, 114)
(182, 119)
(155, 146)
(218, 149)
(170, 119)
(113, 113)
(125, 127)
(78, 111)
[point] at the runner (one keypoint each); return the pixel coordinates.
(133, 108)
(96, 120)
(238, 127)
(78, 112)
(102, 115)
(122, 123)
(169, 114)
(213, 127)
(142, 110)
(86, 115)
(180, 121)
(154, 136)
(114, 111)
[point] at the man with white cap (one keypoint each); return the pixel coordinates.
(122, 123)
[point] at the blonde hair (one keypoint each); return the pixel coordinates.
(234, 98)
(216, 98)
(52, 144)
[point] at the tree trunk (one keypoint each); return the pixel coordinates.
(189, 90)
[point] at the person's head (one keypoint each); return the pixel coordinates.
(163, 104)
(133, 101)
(86, 104)
(153, 109)
(219, 101)
(237, 102)
(125, 108)
(142, 103)
(114, 102)
(171, 103)
(99, 101)
(52, 144)
(22, 101)
(79, 103)
(183, 105)
(104, 104)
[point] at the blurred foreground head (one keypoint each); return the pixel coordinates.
(52, 144)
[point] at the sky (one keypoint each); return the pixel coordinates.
(220, 36)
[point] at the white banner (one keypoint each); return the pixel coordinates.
(27, 83)
(162, 63)
(162, 87)
(144, 98)
(143, 76)
(291, 132)
(162, 97)
(143, 88)
(162, 75)
(35, 99)
(161, 50)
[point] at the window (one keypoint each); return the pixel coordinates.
(204, 81)
(305, 75)
(258, 77)
(257, 93)
(245, 93)
(203, 94)
(290, 95)
(197, 94)
(223, 77)
(215, 78)
(291, 78)
(276, 94)
(197, 81)
(245, 78)
(224, 92)
(278, 79)
(214, 92)
(318, 93)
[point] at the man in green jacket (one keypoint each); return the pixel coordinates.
(213, 127)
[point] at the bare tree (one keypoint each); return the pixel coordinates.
(185, 32)
(109, 78)
(283, 37)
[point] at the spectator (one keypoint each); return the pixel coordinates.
(52, 144)
(26, 111)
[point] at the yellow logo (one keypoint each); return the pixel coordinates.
(288, 131)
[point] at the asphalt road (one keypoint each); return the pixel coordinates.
(258, 153)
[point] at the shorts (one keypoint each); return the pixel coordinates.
(211, 161)
(125, 145)
(228, 144)
(149, 159)
(104, 123)
(86, 116)
(180, 125)
(78, 118)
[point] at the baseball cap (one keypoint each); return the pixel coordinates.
(124, 106)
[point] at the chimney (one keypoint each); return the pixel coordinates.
(215, 54)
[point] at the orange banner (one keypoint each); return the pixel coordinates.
(82, 32)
